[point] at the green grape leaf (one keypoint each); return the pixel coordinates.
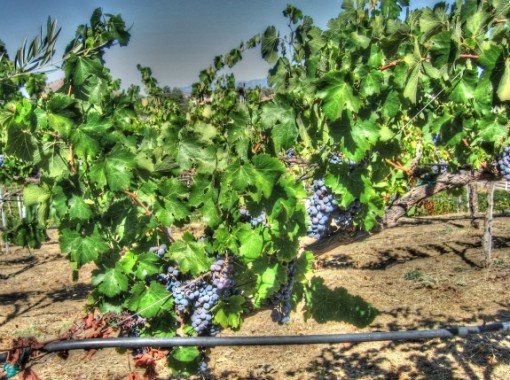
(59, 200)
(224, 240)
(492, 131)
(150, 301)
(489, 56)
(241, 176)
(53, 159)
(82, 249)
(228, 312)
(440, 49)
(391, 105)
(337, 95)
(357, 137)
(269, 44)
(411, 88)
(110, 282)
(118, 29)
(391, 9)
(114, 170)
(429, 23)
(372, 83)
(201, 189)
(268, 280)
(84, 68)
(60, 124)
(278, 74)
(84, 144)
(465, 88)
(128, 262)
(304, 266)
(191, 152)
(284, 135)
(251, 243)
(280, 119)
(79, 209)
(186, 354)
(211, 216)
(87, 137)
(59, 102)
(267, 171)
(503, 90)
(147, 264)
(190, 256)
(360, 40)
(174, 206)
(34, 195)
(20, 143)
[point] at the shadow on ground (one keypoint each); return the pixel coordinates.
(22, 303)
(436, 358)
(25, 263)
(384, 258)
(487, 350)
(325, 304)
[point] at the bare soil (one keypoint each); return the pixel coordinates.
(423, 274)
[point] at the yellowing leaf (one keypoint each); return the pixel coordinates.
(504, 84)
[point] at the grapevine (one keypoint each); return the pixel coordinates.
(124, 174)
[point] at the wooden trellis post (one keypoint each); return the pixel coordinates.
(4, 219)
(488, 223)
(472, 193)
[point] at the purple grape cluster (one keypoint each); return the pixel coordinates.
(338, 159)
(159, 250)
(325, 214)
(204, 364)
(504, 163)
(322, 204)
(131, 328)
(344, 216)
(195, 298)
(440, 167)
(254, 221)
(281, 301)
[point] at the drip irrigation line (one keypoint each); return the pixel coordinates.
(272, 340)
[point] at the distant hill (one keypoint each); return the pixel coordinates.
(252, 83)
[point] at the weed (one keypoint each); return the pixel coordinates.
(413, 275)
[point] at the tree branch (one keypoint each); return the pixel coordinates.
(399, 208)
(137, 200)
(390, 65)
(469, 56)
(443, 182)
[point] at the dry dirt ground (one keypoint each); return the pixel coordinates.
(424, 274)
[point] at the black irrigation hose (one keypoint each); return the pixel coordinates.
(271, 340)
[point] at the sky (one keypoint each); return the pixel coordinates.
(176, 38)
